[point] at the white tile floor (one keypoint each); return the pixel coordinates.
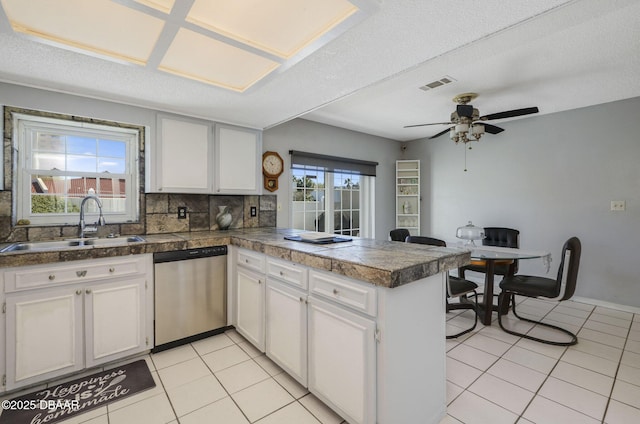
(492, 377)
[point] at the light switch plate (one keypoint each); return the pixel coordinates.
(618, 205)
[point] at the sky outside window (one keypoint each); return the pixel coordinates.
(79, 154)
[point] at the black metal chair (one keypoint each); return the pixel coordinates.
(533, 286)
(496, 236)
(399, 234)
(456, 287)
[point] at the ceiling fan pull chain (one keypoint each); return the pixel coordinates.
(465, 158)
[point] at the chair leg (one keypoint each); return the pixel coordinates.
(473, 307)
(506, 296)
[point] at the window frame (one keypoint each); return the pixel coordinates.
(26, 125)
(366, 201)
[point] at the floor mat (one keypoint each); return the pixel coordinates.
(66, 400)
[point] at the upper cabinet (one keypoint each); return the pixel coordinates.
(238, 160)
(197, 156)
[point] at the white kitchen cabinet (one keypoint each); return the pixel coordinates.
(62, 318)
(374, 354)
(190, 156)
(184, 156)
(342, 360)
(286, 328)
(115, 320)
(44, 335)
(3, 349)
(238, 160)
(250, 305)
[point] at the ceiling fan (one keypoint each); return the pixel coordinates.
(467, 123)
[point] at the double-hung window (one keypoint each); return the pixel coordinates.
(62, 161)
(332, 194)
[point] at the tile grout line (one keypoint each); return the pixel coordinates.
(615, 378)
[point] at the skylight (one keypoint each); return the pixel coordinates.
(230, 44)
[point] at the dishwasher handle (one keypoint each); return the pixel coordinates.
(181, 255)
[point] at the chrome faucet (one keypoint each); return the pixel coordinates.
(82, 228)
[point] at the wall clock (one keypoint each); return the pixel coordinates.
(272, 168)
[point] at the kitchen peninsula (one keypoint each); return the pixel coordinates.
(370, 314)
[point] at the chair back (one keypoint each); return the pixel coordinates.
(501, 237)
(399, 234)
(574, 247)
(426, 240)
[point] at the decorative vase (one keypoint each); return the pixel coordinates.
(224, 218)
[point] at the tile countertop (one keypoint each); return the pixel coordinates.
(383, 263)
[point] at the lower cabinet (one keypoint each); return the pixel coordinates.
(286, 328)
(114, 320)
(250, 306)
(342, 360)
(46, 329)
(53, 331)
(325, 346)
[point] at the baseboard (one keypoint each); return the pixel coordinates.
(604, 304)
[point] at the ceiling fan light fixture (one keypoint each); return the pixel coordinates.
(462, 128)
(453, 135)
(477, 130)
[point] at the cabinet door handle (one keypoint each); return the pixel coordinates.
(335, 292)
(281, 273)
(78, 292)
(88, 291)
(246, 261)
(301, 300)
(52, 277)
(259, 281)
(81, 273)
(112, 270)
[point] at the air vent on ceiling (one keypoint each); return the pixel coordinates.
(435, 84)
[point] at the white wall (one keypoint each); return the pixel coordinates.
(313, 137)
(552, 177)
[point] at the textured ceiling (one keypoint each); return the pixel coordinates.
(554, 54)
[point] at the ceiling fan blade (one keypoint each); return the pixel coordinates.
(492, 129)
(440, 133)
(510, 113)
(424, 125)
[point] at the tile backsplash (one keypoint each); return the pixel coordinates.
(162, 212)
(159, 214)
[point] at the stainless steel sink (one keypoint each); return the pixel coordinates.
(39, 246)
(113, 241)
(42, 245)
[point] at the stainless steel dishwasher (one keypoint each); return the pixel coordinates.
(190, 295)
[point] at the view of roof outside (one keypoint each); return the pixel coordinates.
(54, 154)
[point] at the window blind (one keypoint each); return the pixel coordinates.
(332, 163)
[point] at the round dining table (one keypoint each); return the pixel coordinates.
(491, 254)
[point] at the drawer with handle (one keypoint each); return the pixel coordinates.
(287, 271)
(251, 260)
(24, 278)
(345, 291)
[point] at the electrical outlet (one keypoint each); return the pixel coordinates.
(254, 211)
(618, 205)
(182, 212)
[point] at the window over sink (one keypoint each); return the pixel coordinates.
(60, 160)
